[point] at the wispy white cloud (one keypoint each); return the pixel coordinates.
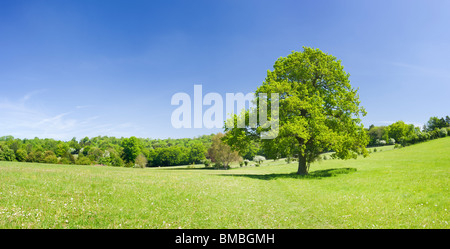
(21, 119)
(31, 94)
(432, 71)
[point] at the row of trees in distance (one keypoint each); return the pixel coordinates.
(407, 134)
(208, 149)
(106, 151)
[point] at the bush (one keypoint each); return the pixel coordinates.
(218, 165)
(82, 160)
(7, 154)
(443, 132)
(391, 141)
(207, 163)
(141, 161)
(51, 159)
(259, 159)
(129, 165)
(21, 155)
(65, 160)
(246, 162)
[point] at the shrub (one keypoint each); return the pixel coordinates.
(82, 160)
(443, 132)
(31, 157)
(104, 161)
(219, 165)
(141, 161)
(391, 141)
(129, 165)
(21, 155)
(207, 163)
(246, 162)
(51, 159)
(65, 160)
(7, 154)
(259, 159)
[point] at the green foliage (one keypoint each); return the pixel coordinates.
(443, 132)
(197, 152)
(103, 150)
(61, 149)
(50, 157)
(318, 110)
(131, 149)
(141, 161)
(437, 123)
(220, 153)
(21, 155)
(95, 154)
(7, 154)
(207, 163)
(391, 141)
(398, 130)
(83, 160)
(376, 133)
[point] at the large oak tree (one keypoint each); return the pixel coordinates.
(319, 111)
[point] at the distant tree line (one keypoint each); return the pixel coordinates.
(404, 134)
(208, 149)
(129, 152)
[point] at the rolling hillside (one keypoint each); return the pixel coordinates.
(394, 188)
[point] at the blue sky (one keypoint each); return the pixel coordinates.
(87, 68)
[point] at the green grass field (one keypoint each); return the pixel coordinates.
(401, 188)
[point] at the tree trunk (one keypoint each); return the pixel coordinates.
(302, 165)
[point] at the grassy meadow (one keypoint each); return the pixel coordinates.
(393, 188)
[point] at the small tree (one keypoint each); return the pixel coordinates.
(131, 149)
(220, 153)
(196, 153)
(7, 155)
(259, 160)
(50, 157)
(141, 161)
(83, 160)
(443, 132)
(21, 155)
